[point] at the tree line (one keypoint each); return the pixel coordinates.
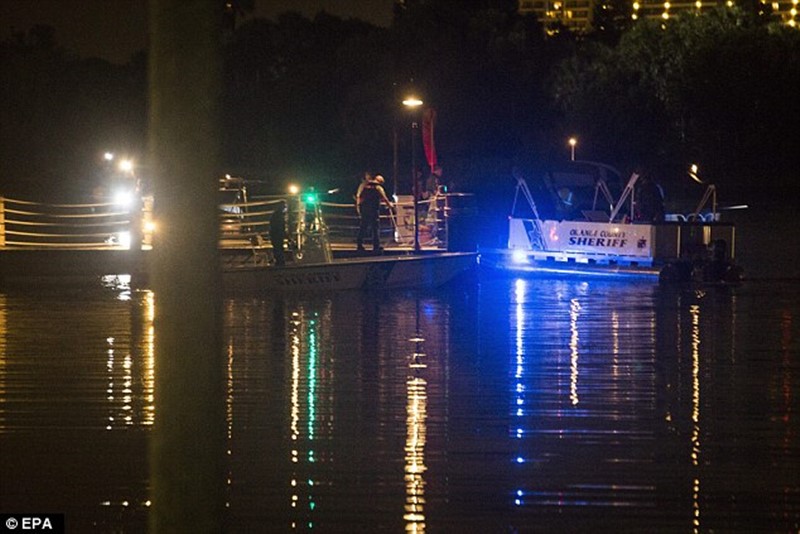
(318, 100)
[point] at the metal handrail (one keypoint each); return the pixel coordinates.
(102, 230)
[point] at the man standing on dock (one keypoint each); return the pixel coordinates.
(368, 204)
(277, 233)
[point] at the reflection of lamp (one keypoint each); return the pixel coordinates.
(413, 102)
(416, 434)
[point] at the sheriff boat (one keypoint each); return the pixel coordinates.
(312, 266)
(607, 239)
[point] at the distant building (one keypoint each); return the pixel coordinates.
(576, 15)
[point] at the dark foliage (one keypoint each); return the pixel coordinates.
(319, 100)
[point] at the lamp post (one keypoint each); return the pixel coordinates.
(412, 103)
(572, 142)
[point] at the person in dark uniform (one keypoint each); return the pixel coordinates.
(277, 233)
(368, 203)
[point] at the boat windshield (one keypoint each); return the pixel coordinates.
(576, 193)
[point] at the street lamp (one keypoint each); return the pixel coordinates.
(126, 165)
(572, 142)
(694, 173)
(412, 102)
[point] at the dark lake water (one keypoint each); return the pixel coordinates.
(506, 406)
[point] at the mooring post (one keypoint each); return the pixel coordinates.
(187, 450)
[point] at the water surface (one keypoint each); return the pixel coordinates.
(507, 406)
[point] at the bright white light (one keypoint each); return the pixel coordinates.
(124, 239)
(293, 189)
(519, 256)
(412, 102)
(123, 197)
(693, 173)
(126, 165)
(108, 156)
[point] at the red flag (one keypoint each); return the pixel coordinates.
(428, 125)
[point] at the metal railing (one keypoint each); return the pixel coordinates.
(26, 224)
(35, 225)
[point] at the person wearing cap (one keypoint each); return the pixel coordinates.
(368, 204)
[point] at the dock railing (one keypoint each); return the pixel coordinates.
(37, 225)
(108, 225)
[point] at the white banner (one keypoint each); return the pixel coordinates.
(599, 238)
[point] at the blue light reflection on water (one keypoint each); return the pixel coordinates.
(516, 405)
(584, 386)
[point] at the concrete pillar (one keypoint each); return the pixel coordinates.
(187, 453)
(2, 222)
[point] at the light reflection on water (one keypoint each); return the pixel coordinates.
(518, 405)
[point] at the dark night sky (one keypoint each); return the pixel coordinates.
(115, 29)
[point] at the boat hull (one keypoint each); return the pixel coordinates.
(555, 265)
(380, 272)
(666, 252)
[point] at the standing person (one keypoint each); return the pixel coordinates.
(368, 205)
(277, 233)
(364, 181)
(433, 182)
(430, 212)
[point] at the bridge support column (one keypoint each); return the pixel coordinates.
(2, 222)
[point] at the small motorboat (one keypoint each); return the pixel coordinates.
(373, 272)
(312, 266)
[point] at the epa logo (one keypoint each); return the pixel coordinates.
(51, 523)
